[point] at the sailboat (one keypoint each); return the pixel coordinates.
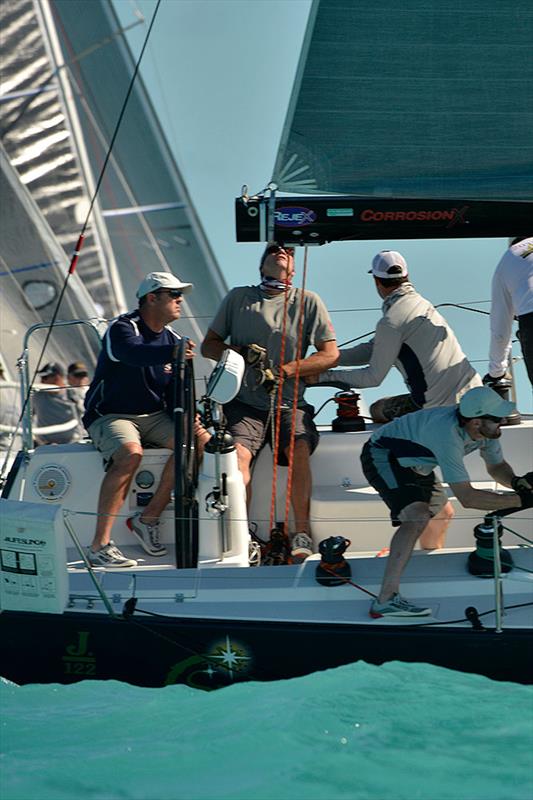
(208, 615)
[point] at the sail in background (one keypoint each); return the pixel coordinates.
(67, 69)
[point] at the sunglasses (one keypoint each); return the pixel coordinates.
(499, 420)
(276, 248)
(173, 293)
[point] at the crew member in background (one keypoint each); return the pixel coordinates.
(512, 296)
(127, 408)
(253, 315)
(52, 406)
(399, 459)
(412, 336)
(78, 382)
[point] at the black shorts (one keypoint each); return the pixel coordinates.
(251, 428)
(400, 486)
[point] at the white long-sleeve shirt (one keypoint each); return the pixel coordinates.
(415, 338)
(512, 295)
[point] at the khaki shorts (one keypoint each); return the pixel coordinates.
(113, 430)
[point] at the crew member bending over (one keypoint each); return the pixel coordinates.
(398, 461)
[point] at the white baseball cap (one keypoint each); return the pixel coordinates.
(162, 280)
(482, 401)
(385, 264)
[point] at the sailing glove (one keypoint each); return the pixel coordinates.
(523, 486)
(501, 382)
(259, 372)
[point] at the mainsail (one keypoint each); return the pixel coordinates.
(410, 99)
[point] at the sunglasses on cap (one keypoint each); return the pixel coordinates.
(276, 248)
(173, 293)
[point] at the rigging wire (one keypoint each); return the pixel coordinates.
(464, 307)
(299, 342)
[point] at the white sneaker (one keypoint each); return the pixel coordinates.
(301, 547)
(147, 535)
(109, 557)
(397, 606)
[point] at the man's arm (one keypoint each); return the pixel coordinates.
(383, 351)
(124, 343)
(356, 356)
(325, 357)
(502, 473)
(485, 499)
(214, 345)
(501, 325)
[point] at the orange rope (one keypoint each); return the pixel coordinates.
(278, 413)
(295, 393)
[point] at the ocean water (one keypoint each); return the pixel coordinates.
(394, 732)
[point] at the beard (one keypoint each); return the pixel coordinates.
(489, 431)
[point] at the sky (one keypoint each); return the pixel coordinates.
(220, 73)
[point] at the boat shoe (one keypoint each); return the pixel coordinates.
(397, 606)
(301, 547)
(109, 556)
(147, 535)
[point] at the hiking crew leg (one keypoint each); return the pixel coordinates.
(301, 485)
(414, 519)
(114, 490)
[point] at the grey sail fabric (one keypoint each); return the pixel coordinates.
(33, 266)
(66, 68)
(37, 140)
(151, 222)
(405, 98)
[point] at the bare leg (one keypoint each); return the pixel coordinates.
(434, 534)
(202, 436)
(414, 519)
(161, 497)
(301, 486)
(244, 460)
(114, 490)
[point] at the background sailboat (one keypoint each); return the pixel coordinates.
(68, 68)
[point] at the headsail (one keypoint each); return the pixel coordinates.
(406, 99)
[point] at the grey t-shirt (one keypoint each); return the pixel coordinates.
(248, 315)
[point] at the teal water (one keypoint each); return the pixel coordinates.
(395, 732)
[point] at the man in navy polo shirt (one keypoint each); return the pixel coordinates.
(126, 408)
(399, 459)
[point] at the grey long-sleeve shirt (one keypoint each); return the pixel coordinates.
(417, 340)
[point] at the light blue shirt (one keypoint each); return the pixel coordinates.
(433, 437)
